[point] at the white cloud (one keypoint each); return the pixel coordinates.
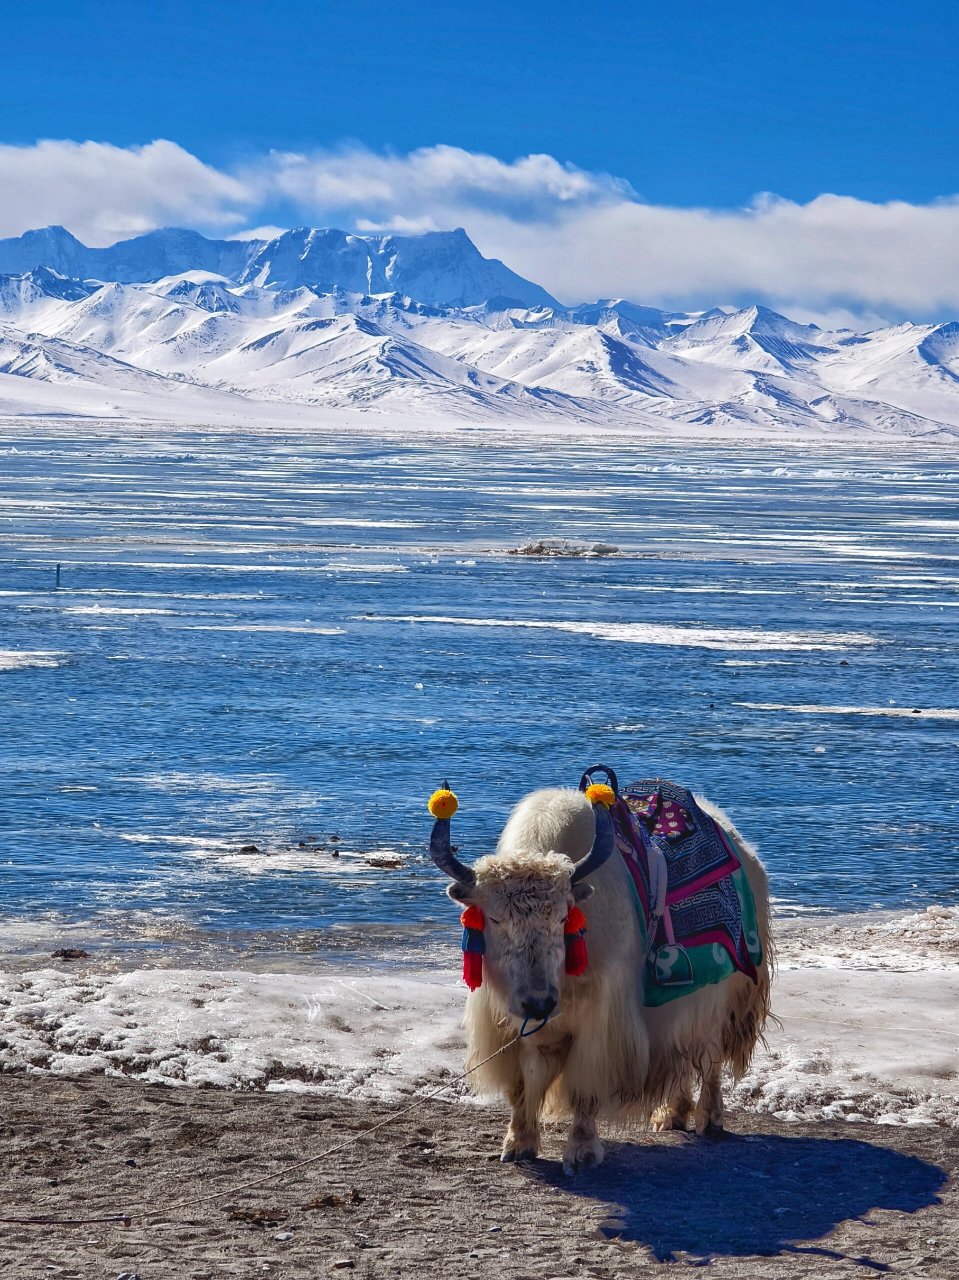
(430, 183)
(833, 253)
(580, 234)
(103, 193)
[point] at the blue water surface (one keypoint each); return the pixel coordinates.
(268, 641)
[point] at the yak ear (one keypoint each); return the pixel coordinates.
(583, 891)
(460, 892)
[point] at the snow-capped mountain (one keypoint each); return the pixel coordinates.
(443, 268)
(170, 323)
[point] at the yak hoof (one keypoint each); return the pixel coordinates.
(710, 1129)
(666, 1120)
(514, 1151)
(582, 1155)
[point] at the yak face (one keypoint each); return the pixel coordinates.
(525, 900)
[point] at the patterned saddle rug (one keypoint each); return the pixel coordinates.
(691, 893)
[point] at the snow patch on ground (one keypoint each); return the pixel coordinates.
(862, 1044)
(342, 1033)
(917, 942)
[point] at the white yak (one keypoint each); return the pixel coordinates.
(601, 1052)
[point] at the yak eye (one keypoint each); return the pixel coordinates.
(493, 920)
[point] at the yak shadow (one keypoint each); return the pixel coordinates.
(746, 1195)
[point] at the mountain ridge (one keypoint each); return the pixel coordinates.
(443, 267)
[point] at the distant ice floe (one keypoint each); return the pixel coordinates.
(203, 780)
(114, 592)
(21, 659)
(754, 662)
(347, 566)
(742, 638)
(269, 857)
(814, 709)
(290, 628)
(117, 610)
(689, 590)
(195, 846)
(263, 856)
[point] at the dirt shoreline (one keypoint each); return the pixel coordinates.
(428, 1193)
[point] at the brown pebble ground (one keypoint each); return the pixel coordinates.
(427, 1194)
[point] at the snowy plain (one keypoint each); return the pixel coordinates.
(866, 1030)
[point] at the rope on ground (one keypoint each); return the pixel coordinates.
(122, 1218)
(140, 1212)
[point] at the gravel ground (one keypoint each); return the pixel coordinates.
(428, 1195)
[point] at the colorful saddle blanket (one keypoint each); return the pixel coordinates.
(691, 892)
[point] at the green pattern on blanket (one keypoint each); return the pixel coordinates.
(676, 971)
(679, 971)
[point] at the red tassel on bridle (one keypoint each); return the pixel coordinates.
(577, 957)
(474, 946)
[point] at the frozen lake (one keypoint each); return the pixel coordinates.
(262, 640)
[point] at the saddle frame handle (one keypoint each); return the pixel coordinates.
(587, 777)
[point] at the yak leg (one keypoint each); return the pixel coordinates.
(709, 1108)
(537, 1069)
(583, 1146)
(675, 1111)
(522, 1136)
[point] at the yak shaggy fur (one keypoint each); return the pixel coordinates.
(602, 1053)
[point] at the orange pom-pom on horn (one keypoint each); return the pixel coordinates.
(443, 803)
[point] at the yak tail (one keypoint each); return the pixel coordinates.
(750, 1008)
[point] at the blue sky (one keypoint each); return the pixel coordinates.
(543, 128)
(692, 103)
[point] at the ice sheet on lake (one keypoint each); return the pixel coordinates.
(813, 709)
(290, 628)
(740, 564)
(19, 659)
(746, 639)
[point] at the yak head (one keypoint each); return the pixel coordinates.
(525, 895)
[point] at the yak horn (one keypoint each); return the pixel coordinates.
(604, 842)
(443, 802)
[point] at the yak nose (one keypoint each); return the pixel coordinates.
(539, 1006)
